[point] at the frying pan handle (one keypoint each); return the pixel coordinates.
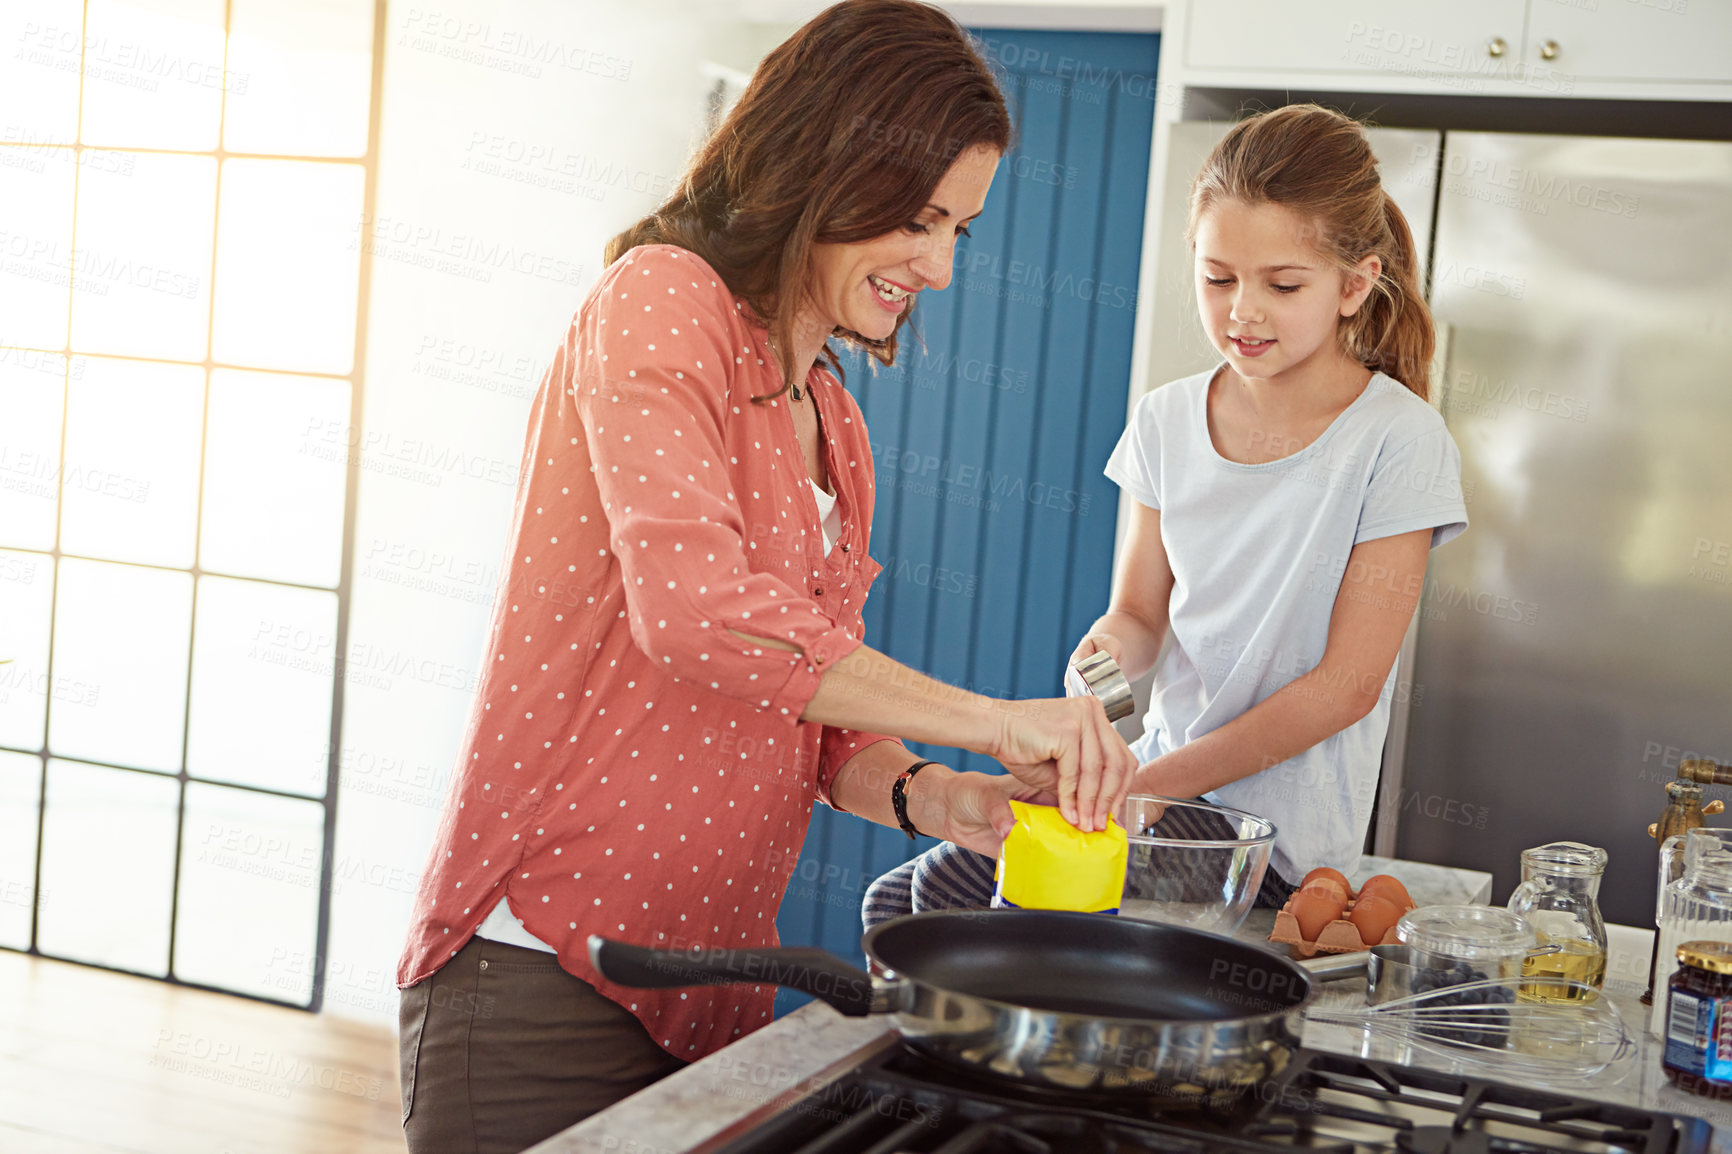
(1333, 968)
(811, 971)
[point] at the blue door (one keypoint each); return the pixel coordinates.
(994, 524)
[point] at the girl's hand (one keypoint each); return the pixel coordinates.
(1099, 643)
(1066, 746)
(976, 809)
(1146, 782)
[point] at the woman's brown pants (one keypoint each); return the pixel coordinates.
(502, 1048)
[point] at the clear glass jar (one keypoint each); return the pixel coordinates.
(1454, 944)
(1696, 905)
(1698, 1054)
(1559, 897)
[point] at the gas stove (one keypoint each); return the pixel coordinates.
(897, 1102)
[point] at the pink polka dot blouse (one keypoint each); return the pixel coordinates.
(631, 767)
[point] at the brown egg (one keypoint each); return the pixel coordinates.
(1327, 885)
(1373, 916)
(1313, 910)
(1384, 886)
(1326, 872)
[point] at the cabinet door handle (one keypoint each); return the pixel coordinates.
(1496, 46)
(1549, 50)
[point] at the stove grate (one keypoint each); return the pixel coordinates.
(899, 1102)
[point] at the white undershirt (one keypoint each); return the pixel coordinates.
(829, 517)
(501, 925)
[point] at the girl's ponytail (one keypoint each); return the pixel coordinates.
(1319, 164)
(1392, 332)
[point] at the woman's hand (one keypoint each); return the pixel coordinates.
(1066, 746)
(974, 808)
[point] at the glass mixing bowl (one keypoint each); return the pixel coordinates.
(1203, 882)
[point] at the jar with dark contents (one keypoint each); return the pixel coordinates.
(1698, 1054)
(1467, 947)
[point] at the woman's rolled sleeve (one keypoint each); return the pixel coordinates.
(837, 748)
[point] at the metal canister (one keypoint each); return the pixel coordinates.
(1100, 675)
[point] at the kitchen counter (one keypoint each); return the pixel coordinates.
(717, 1095)
(1639, 1081)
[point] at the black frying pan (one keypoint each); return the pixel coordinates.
(1062, 1000)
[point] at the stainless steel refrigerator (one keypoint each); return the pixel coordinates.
(1576, 642)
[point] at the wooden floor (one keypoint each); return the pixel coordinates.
(98, 1063)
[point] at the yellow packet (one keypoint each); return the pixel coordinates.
(1049, 864)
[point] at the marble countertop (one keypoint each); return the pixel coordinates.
(725, 1093)
(1639, 1081)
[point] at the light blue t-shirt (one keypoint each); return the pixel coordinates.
(1258, 553)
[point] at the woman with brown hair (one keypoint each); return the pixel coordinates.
(675, 671)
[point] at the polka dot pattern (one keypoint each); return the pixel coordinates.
(645, 774)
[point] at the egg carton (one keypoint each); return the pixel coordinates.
(1338, 937)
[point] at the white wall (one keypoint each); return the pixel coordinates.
(516, 138)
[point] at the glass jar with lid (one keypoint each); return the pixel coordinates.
(1698, 1054)
(1695, 903)
(1450, 945)
(1559, 897)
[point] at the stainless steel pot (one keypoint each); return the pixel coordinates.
(1068, 1001)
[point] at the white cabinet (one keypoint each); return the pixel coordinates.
(1490, 47)
(1670, 41)
(1465, 37)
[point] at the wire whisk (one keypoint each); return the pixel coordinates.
(1545, 1026)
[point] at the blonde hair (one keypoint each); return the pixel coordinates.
(1318, 164)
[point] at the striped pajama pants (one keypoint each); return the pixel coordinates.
(949, 877)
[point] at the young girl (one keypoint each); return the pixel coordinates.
(1282, 507)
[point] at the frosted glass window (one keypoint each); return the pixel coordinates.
(249, 892)
(141, 274)
(288, 264)
(20, 782)
(32, 391)
(181, 193)
(35, 242)
(263, 658)
(39, 83)
(122, 631)
(273, 507)
(26, 596)
(130, 481)
(153, 73)
(108, 866)
(300, 77)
